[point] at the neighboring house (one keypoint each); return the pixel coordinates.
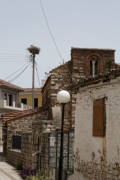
(19, 137)
(25, 97)
(9, 94)
(97, 128)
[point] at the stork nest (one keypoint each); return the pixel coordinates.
(33, 49)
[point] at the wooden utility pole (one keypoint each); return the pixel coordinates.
(33, 50)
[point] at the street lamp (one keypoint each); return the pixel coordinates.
(63, 97)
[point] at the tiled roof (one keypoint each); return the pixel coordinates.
(19, 114)
(10, 85)
(105, 77)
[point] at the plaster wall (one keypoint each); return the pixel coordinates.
(90, 148)
(29, 98)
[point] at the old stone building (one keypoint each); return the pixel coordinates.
(20, 138)
(97, 122)
(84, 64)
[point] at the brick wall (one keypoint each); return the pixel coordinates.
(81, 61)
(70, 73)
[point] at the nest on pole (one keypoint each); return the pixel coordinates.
(33, 49)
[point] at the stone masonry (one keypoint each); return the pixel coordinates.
(24, 127)
(64, 76)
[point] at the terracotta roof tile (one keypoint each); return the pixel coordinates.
(20, 114)
(10, 85)
(105, 77)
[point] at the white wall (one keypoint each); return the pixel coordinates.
(84, 140)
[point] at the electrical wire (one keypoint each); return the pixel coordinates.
(37, 74)
(19, 74)
(10, 75)
(49, 29)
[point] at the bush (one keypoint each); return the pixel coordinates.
(38, 176)
(28, 172)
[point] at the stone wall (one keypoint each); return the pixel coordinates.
(54, 152)
(17, 127)
(26, 127)
(70, 73)
(46, 92)
(93, 153)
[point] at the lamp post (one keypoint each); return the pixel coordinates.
(63, 97)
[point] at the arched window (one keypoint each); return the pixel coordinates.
(93, 65)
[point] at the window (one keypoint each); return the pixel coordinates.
(24, 100)
(99, 117)
(10, 100)
(93, 65)
(96, 67)
(16, 142)
(35, 102)
(91, 68)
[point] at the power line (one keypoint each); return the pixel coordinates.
(49, 29)
(37, 74)
(19, 74)
(10, 75)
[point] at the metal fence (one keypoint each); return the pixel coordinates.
(54, 152)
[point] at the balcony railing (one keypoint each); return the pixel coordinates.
(14, 106)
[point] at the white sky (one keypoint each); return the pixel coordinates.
(74, 23)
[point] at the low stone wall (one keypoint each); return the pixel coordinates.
(15, 158)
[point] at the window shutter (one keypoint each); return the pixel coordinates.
(99, 119)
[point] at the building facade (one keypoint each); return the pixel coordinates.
(25, 97)
(20, 138)
(85, 64)
(9, 94)
(97, 121)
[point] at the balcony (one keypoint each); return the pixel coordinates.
(15, 106)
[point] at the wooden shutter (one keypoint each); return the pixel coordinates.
(99, 117)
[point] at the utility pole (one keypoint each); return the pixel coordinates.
(33, 50)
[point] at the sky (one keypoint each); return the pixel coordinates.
(74, 23)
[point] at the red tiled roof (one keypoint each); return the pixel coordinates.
(19, 114)
(10, 85)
